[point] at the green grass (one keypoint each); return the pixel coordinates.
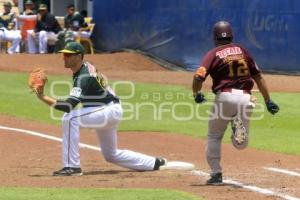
(277, 133)
(92, 194)
(153, 107)
(17, 100)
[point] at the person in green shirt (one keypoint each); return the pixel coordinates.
(7, 29)
(74, 27)
(73, 19)
(29, 8)
(101, 109)
(47, 28)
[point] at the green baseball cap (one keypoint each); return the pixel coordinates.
(43, 7)
(7, 4)
(28, 2)
(73, 48)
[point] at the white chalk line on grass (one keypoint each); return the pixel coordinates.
(283, 171)
(49, 137)
(194, 172)
(249, 187)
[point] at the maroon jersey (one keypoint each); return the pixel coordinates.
(230, 66)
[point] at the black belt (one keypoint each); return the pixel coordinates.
(95, 104)
(115, 101)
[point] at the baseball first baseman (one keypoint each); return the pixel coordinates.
(101, 110)
(232, 70)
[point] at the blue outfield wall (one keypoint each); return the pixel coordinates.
(179, 31)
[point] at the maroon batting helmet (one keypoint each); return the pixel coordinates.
(222, 30)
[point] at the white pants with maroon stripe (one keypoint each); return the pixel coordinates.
(227, 105)
(105, 120)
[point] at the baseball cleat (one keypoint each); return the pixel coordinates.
(159, 162)
(215, 179)
(68, 171)
(239, 137)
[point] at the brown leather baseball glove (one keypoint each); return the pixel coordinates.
(37, 80)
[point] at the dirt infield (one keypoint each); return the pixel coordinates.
(28, 161)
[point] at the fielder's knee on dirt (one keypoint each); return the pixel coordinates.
(110, 157)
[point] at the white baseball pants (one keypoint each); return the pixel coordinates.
(105, 120)
(14, 36)
(40, 43)
(227, 105)
(82, 34)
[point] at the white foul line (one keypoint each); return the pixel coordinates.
(194, 172)
(249, 187)
(49, 137)
(284, 171)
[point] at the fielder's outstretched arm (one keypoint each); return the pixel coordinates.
(62, 105)
(48, 100)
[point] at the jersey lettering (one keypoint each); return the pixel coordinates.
(76, 92)
(102, 81)
(230, 66)
(92, 70)
(238, 68)
(99, 77)
(229, 52)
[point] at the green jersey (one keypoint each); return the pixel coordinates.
(74, 22)
(7, 20)
(89, 88)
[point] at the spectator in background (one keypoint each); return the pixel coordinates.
(75, 27)
(7, 29)
(83, 13)
(47, 27)
(29, 8)
(16, 3)
(73, 19)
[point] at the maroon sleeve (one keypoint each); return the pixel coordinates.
(203, 71)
